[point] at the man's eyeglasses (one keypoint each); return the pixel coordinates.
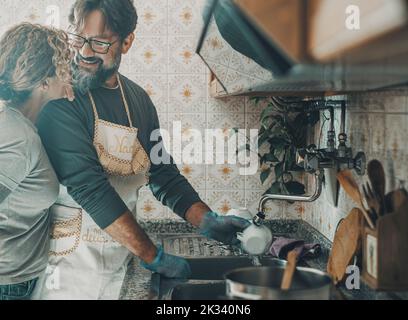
(97, 46)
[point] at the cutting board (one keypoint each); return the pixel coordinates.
(346, 245)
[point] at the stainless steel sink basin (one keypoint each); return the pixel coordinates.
(199, 291)
(207, 279)
(214, 268)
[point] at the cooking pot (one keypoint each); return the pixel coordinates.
(263, 283)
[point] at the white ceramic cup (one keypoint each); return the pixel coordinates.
(241, 212)
(255, 240)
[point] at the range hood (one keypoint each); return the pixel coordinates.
(271, 47)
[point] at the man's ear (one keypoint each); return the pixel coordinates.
(127, 43)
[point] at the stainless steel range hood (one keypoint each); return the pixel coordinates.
(247, 60)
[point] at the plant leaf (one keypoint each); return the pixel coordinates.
(295, 188)
(279, 170)
(267, 112)
(270, 157)
(274, 189)
(265, 174)
(263, 138)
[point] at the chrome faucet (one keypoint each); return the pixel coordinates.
(260, 217)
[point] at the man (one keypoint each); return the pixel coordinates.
(100, 148)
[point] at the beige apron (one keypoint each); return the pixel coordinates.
(85, 263)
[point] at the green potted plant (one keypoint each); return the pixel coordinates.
(284, 128)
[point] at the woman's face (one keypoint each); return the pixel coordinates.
(58, 89)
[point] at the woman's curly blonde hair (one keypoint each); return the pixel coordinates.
(29, 54)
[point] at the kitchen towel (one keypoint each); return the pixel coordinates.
(281, 246)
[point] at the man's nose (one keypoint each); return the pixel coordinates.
(86, 51)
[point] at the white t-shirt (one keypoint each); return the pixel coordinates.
(27, 174)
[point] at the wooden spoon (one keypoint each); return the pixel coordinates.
(349, 185)
(376, 175)
(289, 270)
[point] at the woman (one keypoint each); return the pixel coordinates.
(34, 69)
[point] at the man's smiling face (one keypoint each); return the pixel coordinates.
(92, 69)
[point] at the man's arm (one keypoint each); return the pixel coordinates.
(128, 232)
(196, 213)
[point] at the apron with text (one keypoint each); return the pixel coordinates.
(85, 263)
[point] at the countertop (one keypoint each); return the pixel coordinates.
(137, 282)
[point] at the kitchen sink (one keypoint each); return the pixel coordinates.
(207, 278)
(209, 263)
(199, 291)
(214, 268)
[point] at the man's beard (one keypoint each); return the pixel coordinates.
(84, 80)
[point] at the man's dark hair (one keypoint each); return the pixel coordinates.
(120, 15)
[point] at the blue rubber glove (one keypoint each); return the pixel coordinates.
(168, 265)
(223, 228)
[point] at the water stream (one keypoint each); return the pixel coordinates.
(256, 261)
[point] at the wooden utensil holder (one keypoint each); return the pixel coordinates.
(385, 252)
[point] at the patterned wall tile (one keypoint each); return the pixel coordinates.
(195, 174)
(156, 87)
(396, 141)
(148, 55)
(214, 48)
(247, 66)
(149, 208)
(226, 105)
(191, 127)
(359, 131)
(377, 133)
(397, 101)
(223, 201)
(371, 102)
(185, 17)
(8, 15)
(224, 177)
(224, 123)
(163, 120)
(153, 17)
(294, 211)
(187, 94)
(183, 57)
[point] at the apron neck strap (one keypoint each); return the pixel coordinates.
(124, 102)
